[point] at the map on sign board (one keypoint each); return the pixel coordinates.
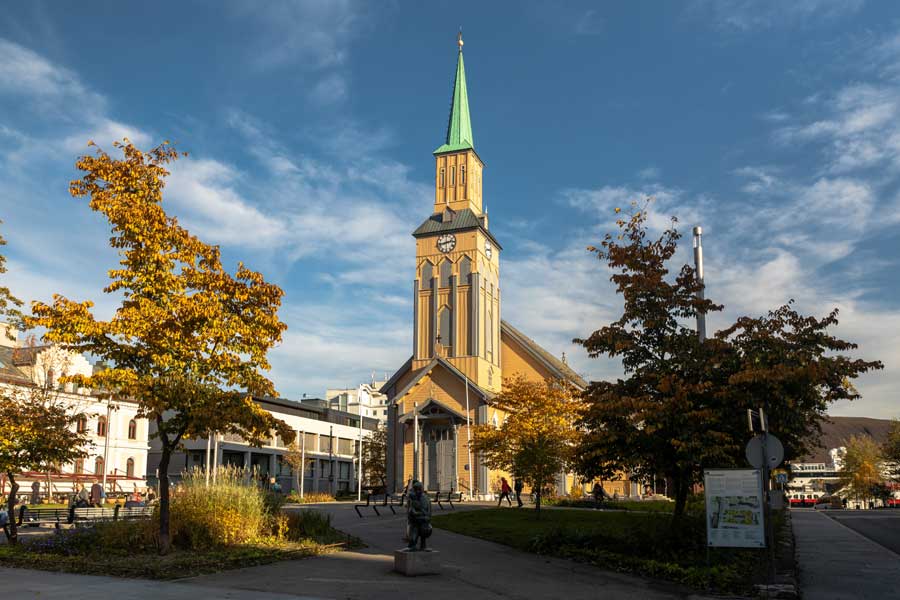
(734, 508)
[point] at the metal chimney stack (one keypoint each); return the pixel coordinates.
(698, 268)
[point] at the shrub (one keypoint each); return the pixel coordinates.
(308, 524)
(227, 512)
(309, 498)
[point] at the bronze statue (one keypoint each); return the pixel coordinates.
(418, 516)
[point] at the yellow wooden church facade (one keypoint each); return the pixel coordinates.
(462, 349)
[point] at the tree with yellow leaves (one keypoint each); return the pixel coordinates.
(189, 340)
(536, 440)
(861, 469)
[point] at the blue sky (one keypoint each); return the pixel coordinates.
(310, 126)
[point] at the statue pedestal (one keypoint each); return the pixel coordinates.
(417, 562)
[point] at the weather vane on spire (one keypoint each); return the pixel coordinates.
(459, 41)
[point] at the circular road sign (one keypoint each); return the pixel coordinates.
(774, 451)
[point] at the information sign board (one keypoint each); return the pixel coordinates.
(734, 508)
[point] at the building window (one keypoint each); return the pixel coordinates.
(446, 340)
(98, 466)
(465, 270)
(441, 182)
(343, 470)
(324, 443)
(452, 176)
(81, 424)
(489, 336)
(129, 468)
(79, 465)
(446, 271)
(310, 468)
(310, 441)
(491, 378)
(345, 446)
(325, 468)
(101, 426)
(462, 175)
(427, 273)
(132, 429)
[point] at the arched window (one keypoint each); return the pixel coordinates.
(129, 468)
(81, 424)
(441, 183)
(132, 429)
(446, 339)
(79, 465)
(427, 274)
(462, 174)
(446, 271)
(101, 426)
(98, 466)
(465, 269)
(489, 335)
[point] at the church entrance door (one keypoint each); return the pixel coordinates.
(440, 459)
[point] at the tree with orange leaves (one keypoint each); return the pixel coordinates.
(537, 438)
(189, 340)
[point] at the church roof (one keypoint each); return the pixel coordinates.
(461, 220)
(459, 126)
(556, 366)
(427, 369)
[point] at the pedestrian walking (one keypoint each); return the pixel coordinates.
(519, 486)
(504, 492)
(97, 494)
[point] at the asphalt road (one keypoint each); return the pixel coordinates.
(880, 526)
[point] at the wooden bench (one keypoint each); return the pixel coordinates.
(43, 516)
(115, 513)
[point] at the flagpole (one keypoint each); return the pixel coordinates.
(360, 466)
(469, 440)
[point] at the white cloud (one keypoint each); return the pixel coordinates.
(309, 33)
(24, 72)
(747, 15)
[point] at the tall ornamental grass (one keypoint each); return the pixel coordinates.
(228, 512)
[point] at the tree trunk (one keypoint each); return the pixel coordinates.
(679, 481)
(165, 541)
(537, 500)
(11, 510)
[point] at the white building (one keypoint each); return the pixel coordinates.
(366, 399)
(117, 454)
(327, 437)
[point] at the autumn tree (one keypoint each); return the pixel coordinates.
(793, 367)
(861, 465)
(891, 450)
(375, 456)
(538, 437)
(189, 339)
(293, 456)
(664, 416)
(37, 433)
(682, 403)
(9, 304)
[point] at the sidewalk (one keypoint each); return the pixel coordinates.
(836, 563)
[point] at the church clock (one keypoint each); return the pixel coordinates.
(446, 242)
(488, 248)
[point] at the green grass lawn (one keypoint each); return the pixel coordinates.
(646, 543)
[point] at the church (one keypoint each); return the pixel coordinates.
(462, 349)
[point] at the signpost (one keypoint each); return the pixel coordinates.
(734, 508)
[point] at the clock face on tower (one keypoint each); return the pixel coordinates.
(446, 242)
(488, 248)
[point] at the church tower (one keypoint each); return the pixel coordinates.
(456, 291)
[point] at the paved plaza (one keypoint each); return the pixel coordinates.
(471, 568)
(840, 563)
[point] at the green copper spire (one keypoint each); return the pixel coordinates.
(459, 127)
